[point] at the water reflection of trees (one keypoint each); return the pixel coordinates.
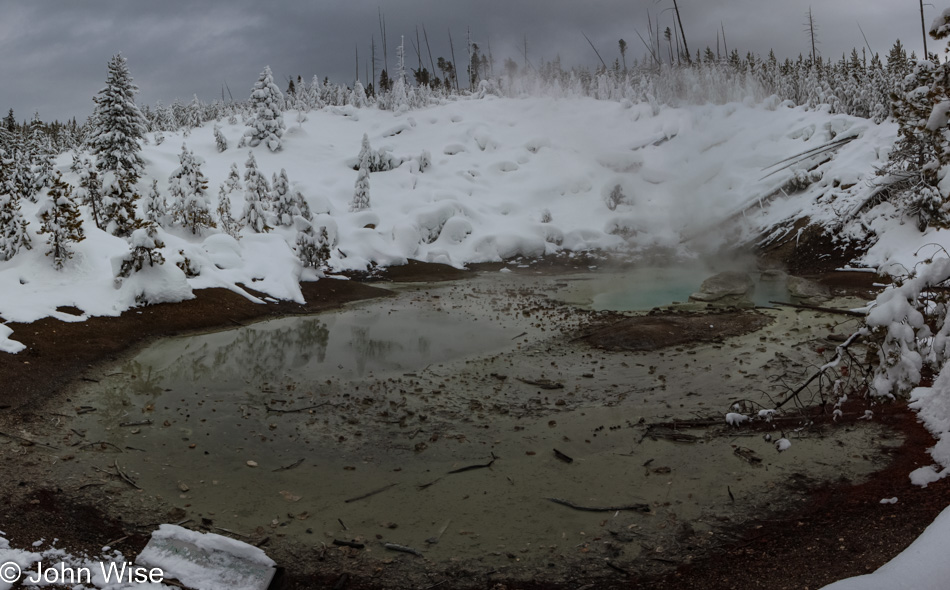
(365, 349)
(259, 353)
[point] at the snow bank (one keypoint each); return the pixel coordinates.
(922, 566)
(933, 409)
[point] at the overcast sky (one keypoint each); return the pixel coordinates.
(53, 54)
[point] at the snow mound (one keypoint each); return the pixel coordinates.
(922, 566)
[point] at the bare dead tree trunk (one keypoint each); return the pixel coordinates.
(682, 32)
(811, 32)
(923, 27)
(429, 49)
(455, 65)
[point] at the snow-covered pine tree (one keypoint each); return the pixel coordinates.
(23, 171)
(256, 194)
(313, 244)
(358, 96)
(42, 149)
(13, 234)
(154, 205)
(60, 220)
(89, 192)
(266, 124)
(118, 125)
(918, 163)
(226, 220)
(118, 199)
(301, 207)
(220, 139)
(188, 187)
(144, 248)
(361, 190)
(194, 112)
(283, 202)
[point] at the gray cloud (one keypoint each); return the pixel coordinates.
(55, 54)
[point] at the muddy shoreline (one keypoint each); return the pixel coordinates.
(61, 352)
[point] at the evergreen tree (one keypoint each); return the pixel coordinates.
(918, 162)
(226, 220)
(267, 121)
(118, 199)
(119, 126)
(194, 112)
(59, 218)
(13, 234)
(219, 139)
(283, 201)
(144, 248)
(312, 245)
(256, 194)
(89, 192)
(188, 189)
(154, 205)
(42, 150)
(361, 191)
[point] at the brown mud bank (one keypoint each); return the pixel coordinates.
(548, 390)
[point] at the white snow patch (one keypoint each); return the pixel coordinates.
(922, 566)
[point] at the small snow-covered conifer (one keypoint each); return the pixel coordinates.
(144, 248)
(283, 203)
(119, 197)
(89, 192)
(60, 220)
(361, 190)
(226, 220)
(266, 124)
(13, 234)
(615, 197)
(313, 244)
(188, 187)
(256, 194)
(154, 204)
(220, 139)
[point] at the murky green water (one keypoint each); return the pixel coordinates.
(645, 288)
(395, 394)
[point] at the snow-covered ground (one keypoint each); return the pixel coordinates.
(508, 177)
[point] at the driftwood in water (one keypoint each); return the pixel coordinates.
(569, 504)
(368, 494)
(471, 467)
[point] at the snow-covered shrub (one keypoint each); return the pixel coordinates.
(188, 266)
(144, 249)
(615, 198)
(312, 244)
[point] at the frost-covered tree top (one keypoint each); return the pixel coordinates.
(266, 124)
(118, 125)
